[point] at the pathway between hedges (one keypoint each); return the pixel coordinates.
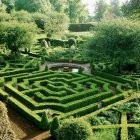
(50, 64)
(24, 129)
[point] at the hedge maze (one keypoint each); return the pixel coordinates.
(42, 95)
(35, 93)
(14, 65)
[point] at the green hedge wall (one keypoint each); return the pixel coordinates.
(81, 27)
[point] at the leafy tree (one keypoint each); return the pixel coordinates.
(41, 6)
(15, 36)
(39, 19)
(101, 7)
(58, 5)
(56, 23)
(4, 16)
(22, 16)
(76, 11)
(115, 8)
(132, 8)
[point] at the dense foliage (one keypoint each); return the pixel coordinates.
(75, 129)
(132, 9)
(56, 23)
(104, 10)
(15, 36)
(42, 6)
(108, 104)
(116, 41)
(54, 127)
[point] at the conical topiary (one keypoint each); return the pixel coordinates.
(55, 124)
(44, 124)
(46, 68)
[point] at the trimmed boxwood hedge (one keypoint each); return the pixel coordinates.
(113, 99)
(64, 94)
(81, 27)
(111, 77)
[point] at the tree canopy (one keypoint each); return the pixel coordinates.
(76, 11)
(15, 36)
(101, 7)
(116, 41)
(132, 8)
(42, 6)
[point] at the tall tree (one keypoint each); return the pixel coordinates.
(58, 5)
(56, 24)
(76, 10)
(132, 8)
(41, 6)
(101, 7)
(115, 8)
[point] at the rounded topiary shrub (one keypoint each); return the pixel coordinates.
(75, 129)
(72, 41)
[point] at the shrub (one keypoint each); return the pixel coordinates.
(116, 41)
(135, 118)
(137, 133)
(75, 129)
(94, 120)
(39, 20)
(44, 121)
(55, 124)
(105, 134)
(22, 16)
(111, 116)
(46, 68)
(71, 42)
(4, 16)
(130, 107)
(15, 36)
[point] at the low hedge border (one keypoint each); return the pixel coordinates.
(111, 77)
(112, 100)
(3, 95)
(124, 129)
